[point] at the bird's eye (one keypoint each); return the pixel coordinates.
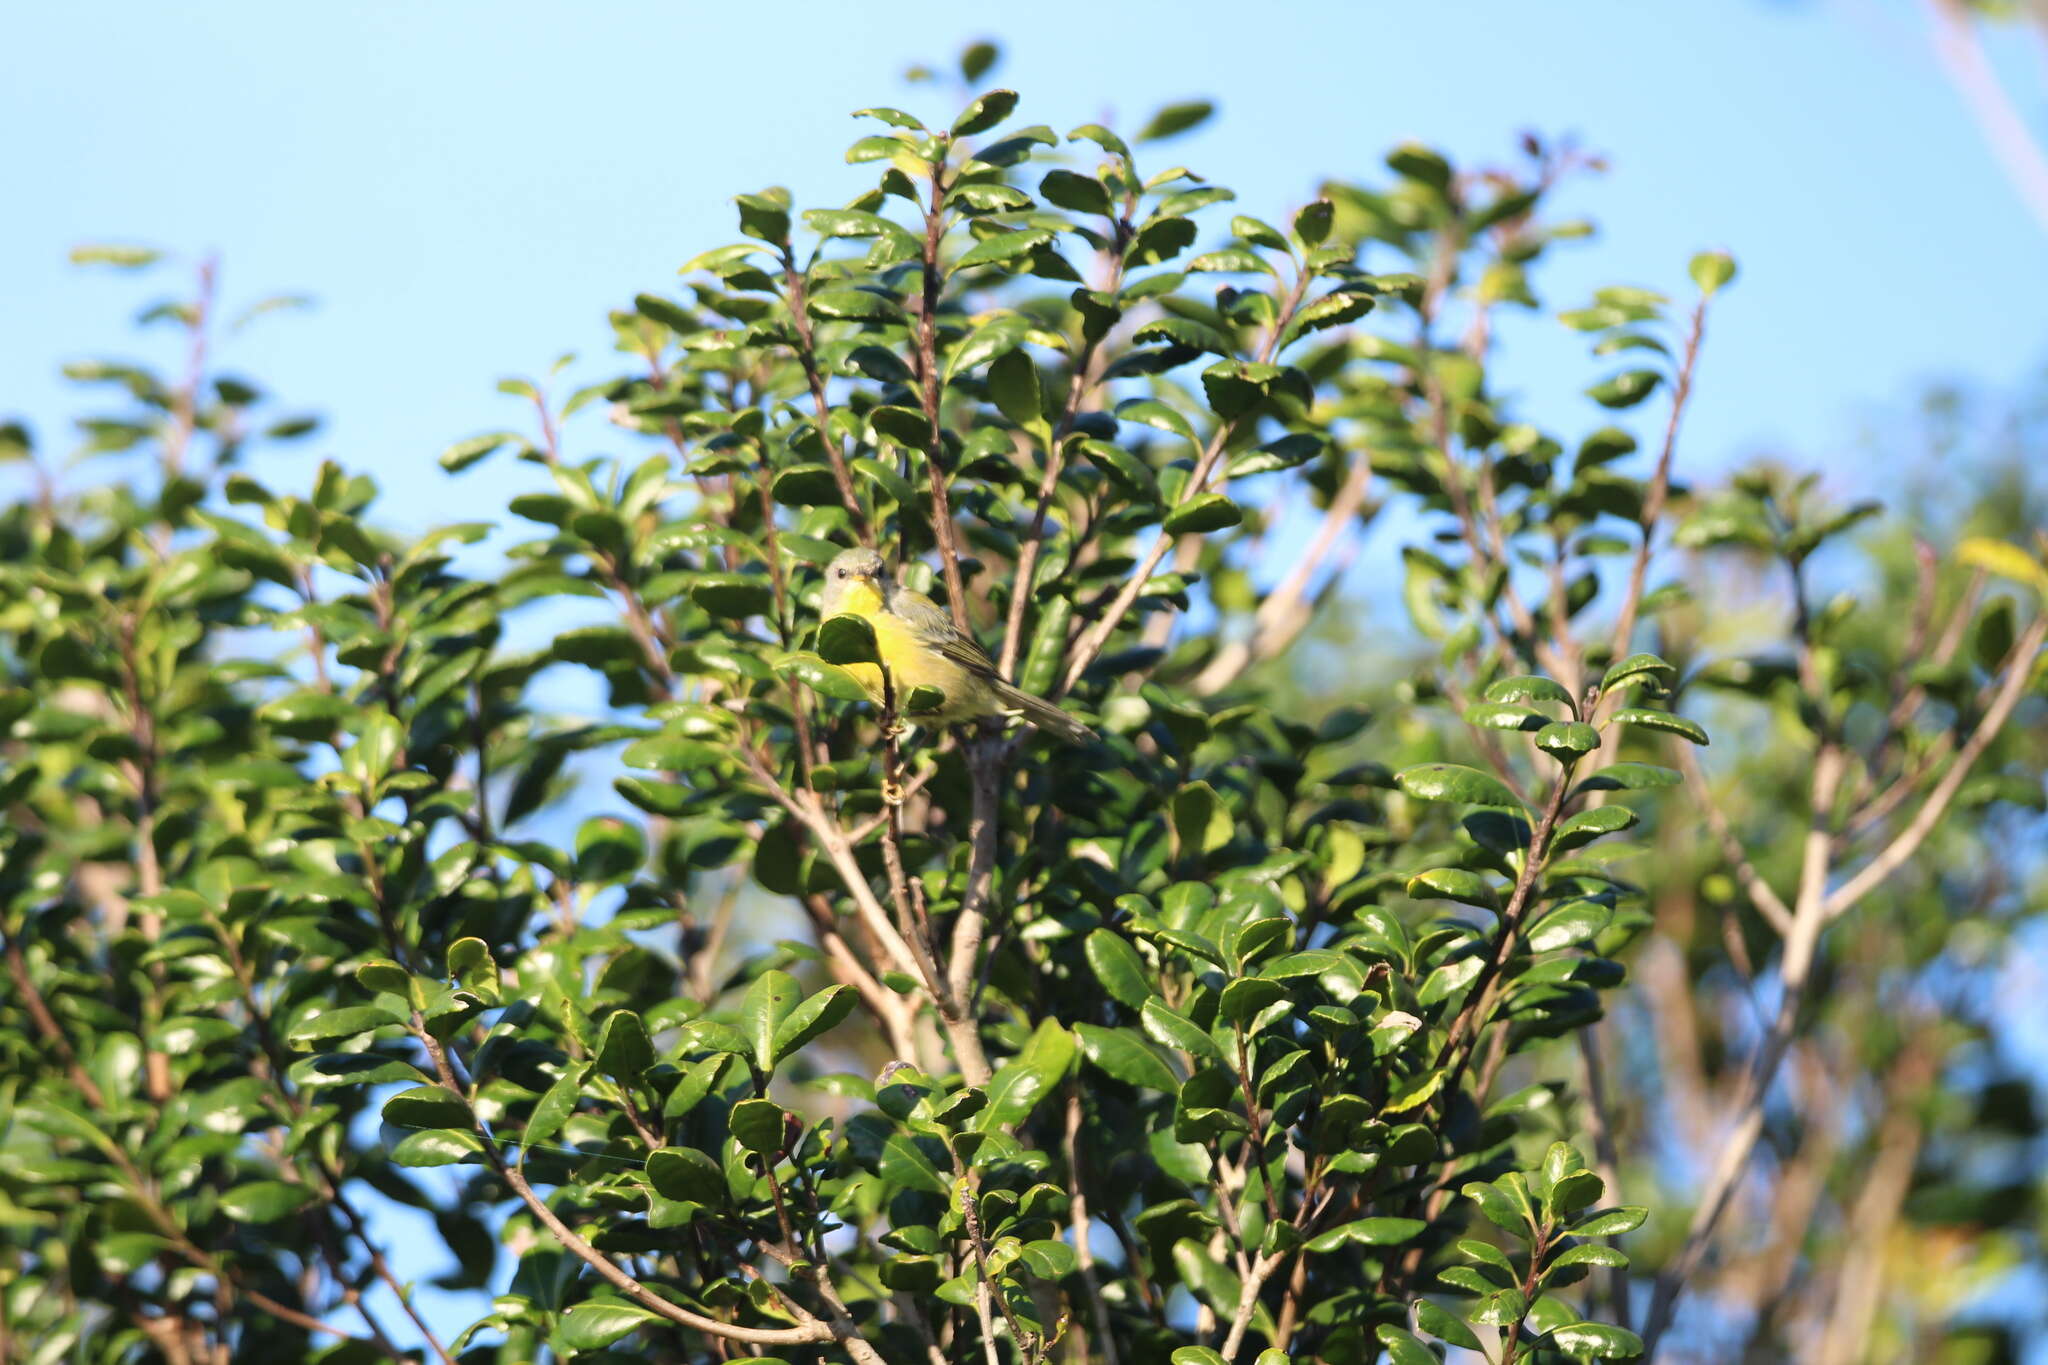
(839, 573)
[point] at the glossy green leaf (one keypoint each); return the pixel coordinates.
(1596, 1340)
(594, 1326)
(1121, 1054)
(1454, 782)
(1646, 719)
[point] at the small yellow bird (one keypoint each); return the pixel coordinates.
(921, 647)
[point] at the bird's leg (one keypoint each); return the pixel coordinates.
(892, 756)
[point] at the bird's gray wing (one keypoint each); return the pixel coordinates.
(934, 625)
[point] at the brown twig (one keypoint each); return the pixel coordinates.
(928, 383)
(2018, 670)
(1078, 384)
(1287, 611)
(1660, 482)
(1767, 901)
(1077, 1217)
(1091, 641)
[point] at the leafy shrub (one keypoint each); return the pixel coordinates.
(1232, 1034)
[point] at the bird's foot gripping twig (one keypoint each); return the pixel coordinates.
(892, 791)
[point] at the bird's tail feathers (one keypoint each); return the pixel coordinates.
(1045, 715)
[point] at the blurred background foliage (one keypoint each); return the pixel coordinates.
(292, 843)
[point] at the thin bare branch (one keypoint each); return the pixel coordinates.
(2018, 670)
(1288, 610)
(1768, 902)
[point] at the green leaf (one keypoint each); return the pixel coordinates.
(1589, 825)
(895, 118)
(1634, 669)
(594, 1326)
(608, 850)
(1015, 1090)
(623, 1051)
(1130, 474)
(847, 639)
(1117, 967)
(903, 1161)
(553, 1108)
(687, 1174)
(699, 1079)
(383, 975)
(1527, 687)
(1711, 271)
(265, 1201)
(1120, 1054)
(806, 485)
(436, 1147)
(1659, 720)
(1611, 1222)
(1076, 193)
(815, 1017)
(1006, 248)
(1154, 413)
(1403, 1347)
(772, 998)
(985, 113)
(1499, 715)
(1244, 998)
(1567, 740)
(1174, 119)
(1606, 1257)
(1630, 777)
(1203, 512)
(976, 59)
(827, 680)
(1452, 884)
(1569, 923)
(346, 1022)
(1440, 1324)
(1371, 1232)
(1169, 1026)
(759, 1126)
(854, 305)
(1596, 1339)
(120, 256)
(1626, 389)
(1455, 782)
(463, 454)
(427, 1106)
(1258, 232)
(1200, 820)
(733, 594)
(1013, 384)
(1230, 260)
(1501, 1211)
(1185, 332)
(1312, 224)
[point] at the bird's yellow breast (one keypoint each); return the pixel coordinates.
(911, 662)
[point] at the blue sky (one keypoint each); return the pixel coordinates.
(465, 189)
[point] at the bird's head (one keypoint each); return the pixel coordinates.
(851, 571)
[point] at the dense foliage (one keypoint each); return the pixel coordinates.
(1257, 1028)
